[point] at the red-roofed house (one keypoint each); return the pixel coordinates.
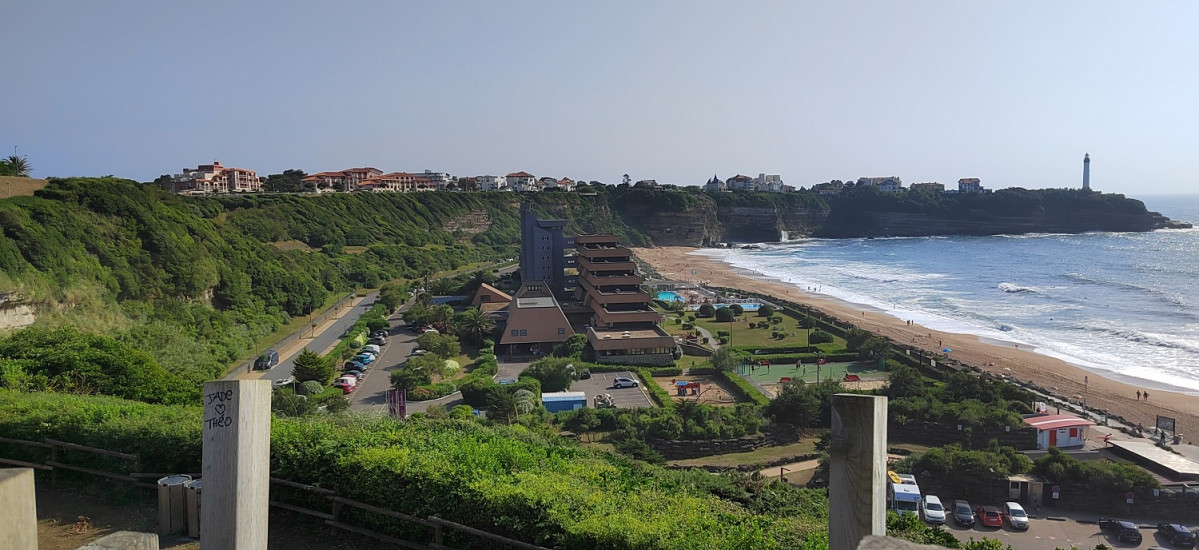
(1059, 430)
(522, 182)
(214, 178)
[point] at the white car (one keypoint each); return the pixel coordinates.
(624, 382)
(1016, 517)
(371, 348)
(934, 513)
(283, 382)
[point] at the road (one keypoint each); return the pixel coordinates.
(371, 394)
(324, 337)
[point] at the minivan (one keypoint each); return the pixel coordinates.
(267, 360)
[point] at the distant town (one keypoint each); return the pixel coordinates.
(216, 178)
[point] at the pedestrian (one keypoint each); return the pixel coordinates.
(1146, 396)
(1138, 395)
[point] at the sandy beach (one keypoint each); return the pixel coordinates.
(1120, 398)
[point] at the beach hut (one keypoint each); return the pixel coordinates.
(563, 401)
(1059, 430)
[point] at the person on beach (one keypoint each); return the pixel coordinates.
(1146, 395)
(1138, 395)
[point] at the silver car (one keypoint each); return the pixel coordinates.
(624, 382)
(1015, 515)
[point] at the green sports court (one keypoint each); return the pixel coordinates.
(773, 374)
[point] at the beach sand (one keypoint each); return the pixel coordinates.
(1064, 379)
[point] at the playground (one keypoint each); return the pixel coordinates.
(699, 388)
(853, 375)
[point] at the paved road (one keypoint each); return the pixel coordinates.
(371, 394)
(324, 338)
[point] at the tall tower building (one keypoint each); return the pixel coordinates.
(1086, 172)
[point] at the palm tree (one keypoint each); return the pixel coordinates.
(18, 166)
(473, 325)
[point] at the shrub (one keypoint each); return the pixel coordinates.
(678, 321)
(706, 310)
(737, 309)
(311, 387)
(554, 373)
(688, 326)
(432, 391)
(820, 337)
(766, 311)
(724, 315)
(311, 366)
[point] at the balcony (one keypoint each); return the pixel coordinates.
(597, 239)
(608, 318)
(600, 281)
(609, 252)
(606, 265)
(637, 296)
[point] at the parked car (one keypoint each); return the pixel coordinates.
(366, 358)
(371, 348)
(1122, 531)
(379, 334)
(355, 364)
(419, 351)
(346, 383)
(378, 340)
(934, 513)
(624, 382)
(963, 514)
(283, 382)
(1017, 518)
(989, 516)
(1178, 535)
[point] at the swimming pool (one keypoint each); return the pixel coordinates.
(744, 307)
(667, 296)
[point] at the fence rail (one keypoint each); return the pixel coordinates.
(436, 525)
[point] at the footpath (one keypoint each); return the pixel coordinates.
(297, 344)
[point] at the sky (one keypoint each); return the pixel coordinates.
(1013, 92)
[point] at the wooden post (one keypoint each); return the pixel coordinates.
(857, 470)
(18, 523)
(236, 464)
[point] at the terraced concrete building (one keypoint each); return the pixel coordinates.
(624, 328)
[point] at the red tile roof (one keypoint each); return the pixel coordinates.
(520, 175)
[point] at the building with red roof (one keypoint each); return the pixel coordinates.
(1059, 430)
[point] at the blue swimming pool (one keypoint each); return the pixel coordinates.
(667, 296)
(744, 307)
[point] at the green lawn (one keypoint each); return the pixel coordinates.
(833, 371)
(764, 454)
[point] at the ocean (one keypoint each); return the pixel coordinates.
(1123, 305)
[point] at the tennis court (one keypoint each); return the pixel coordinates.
(775, 374)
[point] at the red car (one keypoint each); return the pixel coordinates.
(989, 516)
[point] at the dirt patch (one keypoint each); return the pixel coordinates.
(470, 225)
(11, 186)
(859, 385)
(712, 390)
(292, 245)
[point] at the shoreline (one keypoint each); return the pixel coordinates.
(1018, 360)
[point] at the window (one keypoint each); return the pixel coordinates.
(515, 332)
(561, 331)
(524, 332)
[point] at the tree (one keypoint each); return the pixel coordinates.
(392, 296)
(795, 405)
(287, 182)
(442, 345)
(311, 366)
(478, 279)
(766, 311)
(502, 406)
(572, 347)
(723, 359)
(408, 378)
(904, 381)
(707, 310)
(473, 325)
(443, 287)
(15, 166)
(554, 373)
(724, 315)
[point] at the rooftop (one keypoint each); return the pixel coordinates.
(535, 301)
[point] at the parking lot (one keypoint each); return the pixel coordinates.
(601, 382)
(1048, 534)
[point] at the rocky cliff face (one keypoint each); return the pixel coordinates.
(15, 312)
(695, 226)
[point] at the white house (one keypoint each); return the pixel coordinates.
(492, 183)
(970, 185)
(523, 182)
(1059, 430)
(890, 184)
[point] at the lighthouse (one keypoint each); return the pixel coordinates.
(1086, 172)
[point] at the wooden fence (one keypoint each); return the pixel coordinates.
(437, 527)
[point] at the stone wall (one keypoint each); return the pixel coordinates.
(651, 360)
(931, 433)
(683, 449)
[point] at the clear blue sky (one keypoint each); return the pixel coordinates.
(1010, 92)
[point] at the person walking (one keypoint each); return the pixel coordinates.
(1138, 395)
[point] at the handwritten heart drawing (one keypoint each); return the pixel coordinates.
(220, 409)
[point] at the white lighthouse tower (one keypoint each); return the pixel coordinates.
(1086, 172)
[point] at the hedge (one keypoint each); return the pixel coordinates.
(504, 479)
(432, 391)
(656, 392)
(747, 390)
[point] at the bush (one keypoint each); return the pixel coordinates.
(820, 337)
(706, 310)
(688, 326)
(311, 366)
(432, 391)
(744, 387)
(311, 387)
(554, 373)
(737, 309)
(678, 321)
(724, 315)
(765, 311)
